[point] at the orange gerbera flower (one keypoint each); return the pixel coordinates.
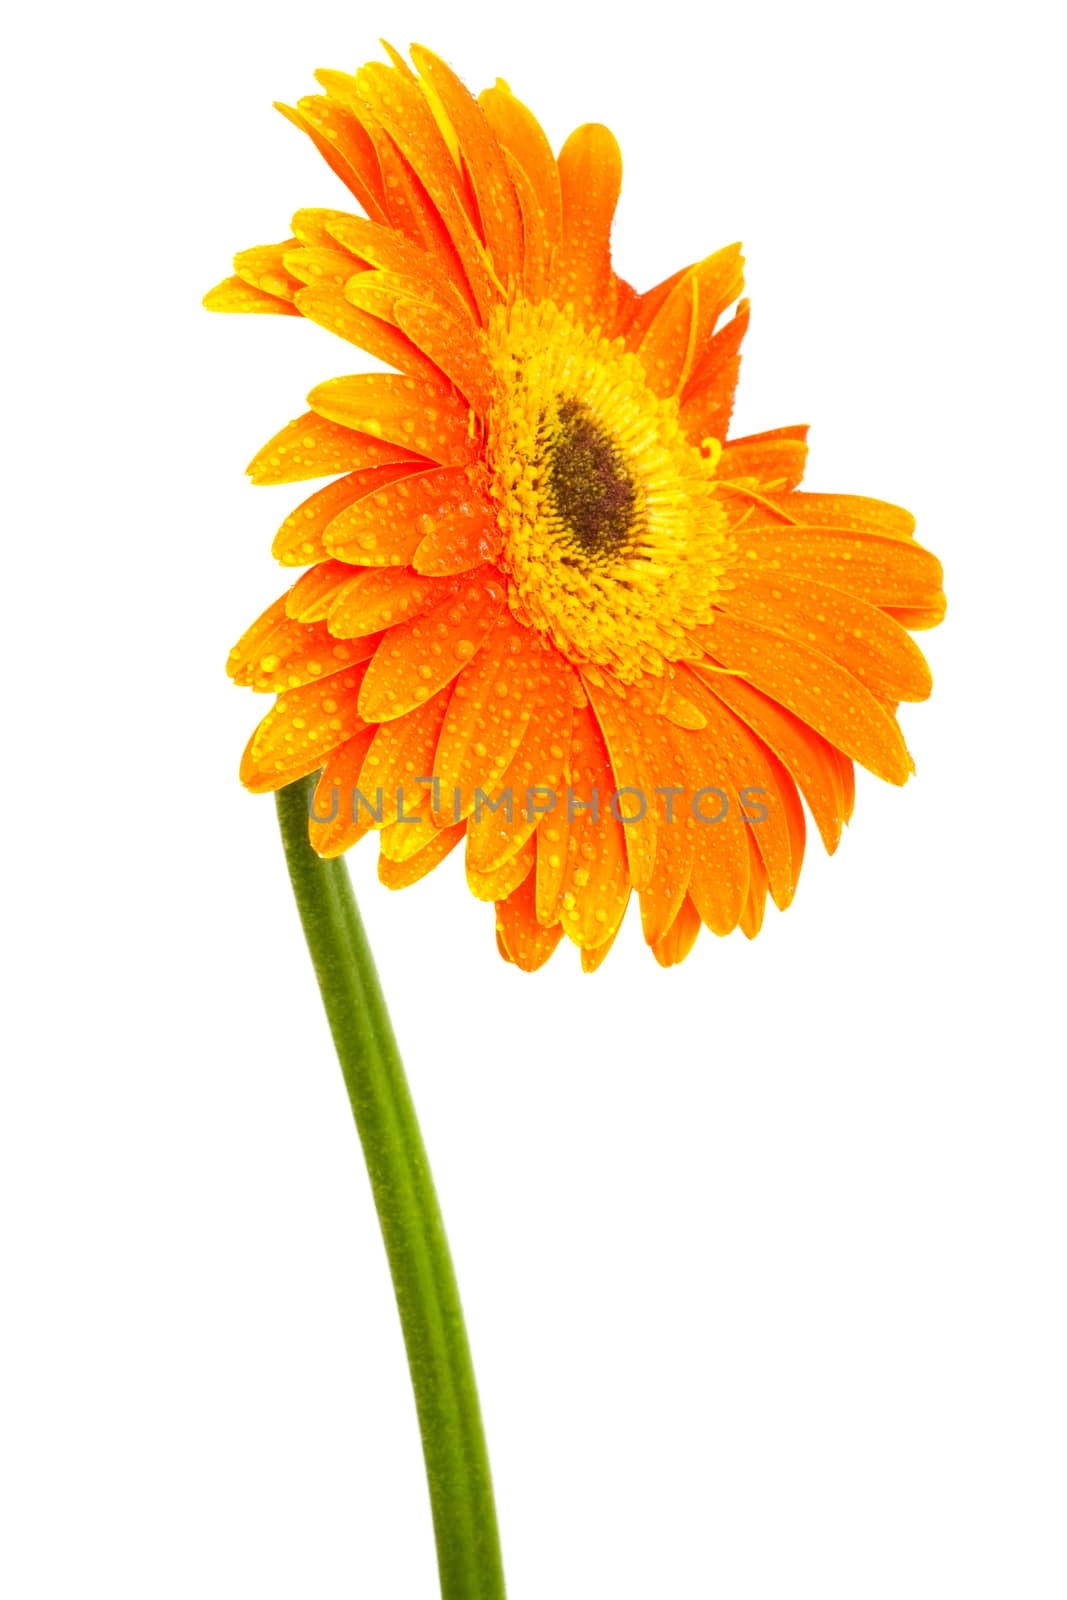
(551, 609)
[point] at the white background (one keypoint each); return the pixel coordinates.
(763, 1258)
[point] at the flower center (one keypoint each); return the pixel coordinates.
(588, 482)
(615, 542)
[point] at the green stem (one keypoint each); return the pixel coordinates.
(446, 1397)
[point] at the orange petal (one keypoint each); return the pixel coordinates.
(264, 268)
(392, 253)
(505, 879)
(755, 904)
(405, 209)
(520, 936)
(302, 727)
(300, 538)
(440, 842)
(380, 597)
(535, 176)
(848, 513)
(675, 829)
(498, 210)
(420, 196)
(524, 139)
(492, 703)
(881, 570)
(873, 647)
(312, 447)
(311, 596)
(418, 658)
(762, 783)
(644, 307)
(846, 776)
(399, 106)
(386, 528)
(775, 460)
(782, 788)
(458, 540)
(535, 776)
(595, 882)
(330, 307)
(590, 172)
(625, 297)
(313, 226)
(918, 617)
(677, 702)
(246, 651)
(552, 835)
(536, 252)
(402, 752)
(234, 294)
(322, 265)
(455, 348)
(680, 936)
(708, 396)
(825, 695)
(345, 146)
(409, 833)
(594, 957)
(811, 760)
(338, 819)
(623, 738)
(423, 420)
(278, 653)
(423, 224)
(336, 122)
(682, 327)
(378, 292)
(718, 880)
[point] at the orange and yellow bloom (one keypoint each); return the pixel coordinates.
(541, 569)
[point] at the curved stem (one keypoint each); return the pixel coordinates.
(446, 1397)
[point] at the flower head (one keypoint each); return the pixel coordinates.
(551, 610)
